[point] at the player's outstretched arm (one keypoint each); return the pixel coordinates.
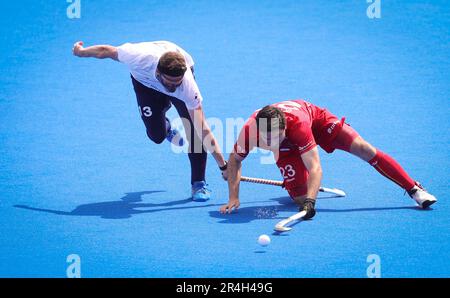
(312, 163)
(204, 132)
(234, 179)
(98, 51)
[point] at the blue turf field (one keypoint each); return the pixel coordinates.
(79, 176)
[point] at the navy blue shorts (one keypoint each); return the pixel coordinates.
(153, 106)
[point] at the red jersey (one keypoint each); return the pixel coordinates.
(306, 126)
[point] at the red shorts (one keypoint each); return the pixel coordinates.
(326, 129)
(293, 171)
(333, 134)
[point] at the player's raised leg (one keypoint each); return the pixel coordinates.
(349, 140)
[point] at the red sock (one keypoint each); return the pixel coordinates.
(389, 168)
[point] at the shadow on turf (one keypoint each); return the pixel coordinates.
(132, 202)
(248, 214)
(126, 207)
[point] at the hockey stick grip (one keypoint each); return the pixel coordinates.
(262, 181)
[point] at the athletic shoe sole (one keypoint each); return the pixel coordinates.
(200, 200)
(427, 204)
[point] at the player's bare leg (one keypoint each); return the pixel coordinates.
(363, 149)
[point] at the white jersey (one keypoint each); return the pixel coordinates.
(142, 60)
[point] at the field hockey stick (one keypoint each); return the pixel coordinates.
(281, 226)
(335, 191)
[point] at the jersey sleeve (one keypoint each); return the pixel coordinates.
(247, 139)
(191, 94)
(189, 60)
(133, 56)
(301, 135)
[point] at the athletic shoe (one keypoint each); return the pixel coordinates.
(199, 191)
(421, 196)
(174, 136)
